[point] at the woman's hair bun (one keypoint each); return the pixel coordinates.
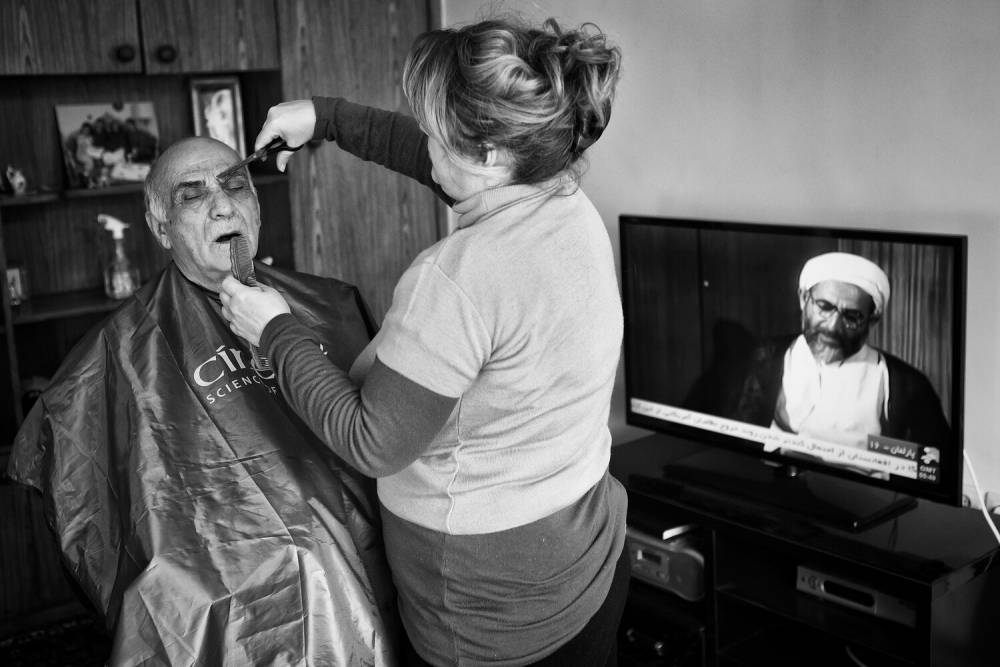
(584, 70)
(542, 94)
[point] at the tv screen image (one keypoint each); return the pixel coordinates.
(826, 349)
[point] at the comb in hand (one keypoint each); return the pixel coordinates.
(242, 267)
(242, 262)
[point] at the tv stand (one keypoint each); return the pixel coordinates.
(919, 588)
(832, 501)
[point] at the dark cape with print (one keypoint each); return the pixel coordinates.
(201, 518)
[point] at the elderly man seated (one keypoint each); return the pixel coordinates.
(204, 521)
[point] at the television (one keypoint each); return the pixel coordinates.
(833, 392)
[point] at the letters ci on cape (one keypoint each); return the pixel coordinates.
(202, 519)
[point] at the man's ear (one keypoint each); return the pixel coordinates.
(159, 229)
(803, 294)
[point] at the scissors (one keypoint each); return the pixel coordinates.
(276, 145)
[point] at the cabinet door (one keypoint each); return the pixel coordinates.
(69, 37)
(353, 220)
(197, 36)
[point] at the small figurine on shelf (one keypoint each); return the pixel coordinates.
(121, 277)
(17, 283)
(14, 181)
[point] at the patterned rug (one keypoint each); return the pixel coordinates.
(73, 643)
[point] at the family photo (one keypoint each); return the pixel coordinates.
(107, 144)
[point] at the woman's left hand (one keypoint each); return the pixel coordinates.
(249, 309)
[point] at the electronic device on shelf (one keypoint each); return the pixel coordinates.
(672, 561)
(855, 595)
(711, 308)
(663, 623)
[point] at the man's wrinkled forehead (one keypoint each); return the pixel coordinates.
(201, 168)
(195, 159)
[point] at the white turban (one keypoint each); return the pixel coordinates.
(848, 268)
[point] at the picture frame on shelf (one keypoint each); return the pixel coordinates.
(109, 143)
(217, 108)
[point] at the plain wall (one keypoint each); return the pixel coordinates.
(856, 113)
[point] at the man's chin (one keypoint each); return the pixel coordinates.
(826, 354)
(208, 277)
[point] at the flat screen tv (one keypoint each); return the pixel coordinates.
(833, 357)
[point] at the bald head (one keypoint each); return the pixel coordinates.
(193, 214)
(156, 187)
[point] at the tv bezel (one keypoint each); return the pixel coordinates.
(950, 490)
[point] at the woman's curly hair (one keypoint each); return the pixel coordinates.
(543, 95)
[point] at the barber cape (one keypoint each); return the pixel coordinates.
(201, 517)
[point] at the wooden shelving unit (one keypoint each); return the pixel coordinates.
(332, 215)
(75, 57)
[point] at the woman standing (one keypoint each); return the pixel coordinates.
(482, 404)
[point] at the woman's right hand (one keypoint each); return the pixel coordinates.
(248, 309)
(292, 121)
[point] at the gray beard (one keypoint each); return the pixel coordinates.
(830, 354)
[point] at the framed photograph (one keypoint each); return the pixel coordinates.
(218, 110)
(107, 143)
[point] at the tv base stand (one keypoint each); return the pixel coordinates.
(919, 588)
(832, 501)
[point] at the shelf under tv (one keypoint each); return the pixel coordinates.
(782, 490)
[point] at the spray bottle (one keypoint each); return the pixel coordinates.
(121, 278)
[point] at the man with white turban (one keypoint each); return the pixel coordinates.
(827, 382)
